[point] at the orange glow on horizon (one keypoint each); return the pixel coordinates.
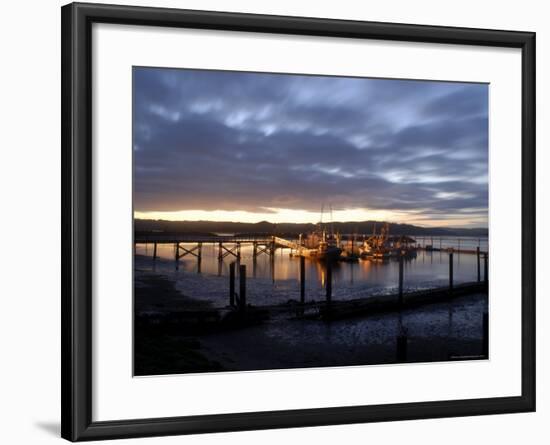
(280, 215)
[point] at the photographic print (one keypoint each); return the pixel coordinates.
(294, 221)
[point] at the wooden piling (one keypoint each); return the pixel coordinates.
(451, 272)
(155, 251)
(478, 265)
(485, 335)
(402, 348)
(328, 282)
(177, 249)
(302, 280)
(242, 287)
(400, 280)
(232, 284)
(220, 252)
(485, 270)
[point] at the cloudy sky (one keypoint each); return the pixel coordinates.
(238, 146)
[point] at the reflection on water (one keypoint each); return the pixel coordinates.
(275, 279)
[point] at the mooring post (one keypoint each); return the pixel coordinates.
(451, 271)
(400, 280)
(199, 257)
(177, 249)
(485, 270)
(242, 287)
(255, 250)
(220, 252)
(328, 282)
(402, 348)
(232, 284)
(478, 265)
(486, 334)
(302, 280)
(155, 251)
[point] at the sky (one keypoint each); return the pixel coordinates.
(250, 147)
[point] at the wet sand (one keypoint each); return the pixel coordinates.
(435, 332)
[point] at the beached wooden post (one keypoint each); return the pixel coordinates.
(302, 280)
(328, 282)
(485, 335)
(232, 284)
(400, 280)
(485, 270)
(242, 287)
(255, 249)
(478, 265)
(451, 272)
(155, 251)
(220, 252)
(402, 348)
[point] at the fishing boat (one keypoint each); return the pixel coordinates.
(351, 252)
(383, 246)
(320, 246)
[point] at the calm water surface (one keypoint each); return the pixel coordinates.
(277, 281)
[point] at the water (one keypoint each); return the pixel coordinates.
(273, 281)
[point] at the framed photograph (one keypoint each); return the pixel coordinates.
(275, 222)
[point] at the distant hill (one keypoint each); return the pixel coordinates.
(264, 227)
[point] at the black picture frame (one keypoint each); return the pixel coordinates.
(76, 129)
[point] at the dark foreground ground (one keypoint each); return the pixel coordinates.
(170, 341)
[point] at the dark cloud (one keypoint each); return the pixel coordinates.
(247, 141)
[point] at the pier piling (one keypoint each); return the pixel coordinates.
(302, 280)
(232, 284)
(400, 280)
(402, 348)
(478, 265)
(451, 272)
(485, 270)
(485, 334)
(242, 287)
(328, 283)
(155, 251)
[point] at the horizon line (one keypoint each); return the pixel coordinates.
(312, 223)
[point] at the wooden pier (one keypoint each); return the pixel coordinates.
(228, 246)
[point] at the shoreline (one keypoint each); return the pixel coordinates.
(283, 343)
